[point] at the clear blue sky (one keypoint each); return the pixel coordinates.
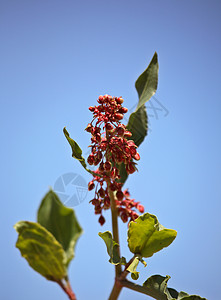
(57, 57)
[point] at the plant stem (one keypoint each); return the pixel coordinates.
(67, 289)
(143, 289)
(114, 216)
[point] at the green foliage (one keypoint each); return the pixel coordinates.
(146, 86)
(42, 251)
(61, 222)
(111, 247)
(146, 83)
(146, 236)
(158, 285)
(76, 150)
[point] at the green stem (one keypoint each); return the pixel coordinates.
(114, 216)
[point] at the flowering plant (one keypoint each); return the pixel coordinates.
(49, 244)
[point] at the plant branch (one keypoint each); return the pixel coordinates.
(142, 289)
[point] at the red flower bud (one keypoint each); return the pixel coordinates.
(91, 108)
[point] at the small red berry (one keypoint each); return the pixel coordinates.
(119, 195)
(90, 159)
(101, 220)
(124, 217)
(140, 208)
(118, 116)
(106, 202)
(91, 185)
(101, 192)
(123, 110)
(91, 108)
(136, 156)
(120, 100)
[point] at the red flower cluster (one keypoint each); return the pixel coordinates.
(109, 148)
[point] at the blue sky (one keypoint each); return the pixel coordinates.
(57, 57)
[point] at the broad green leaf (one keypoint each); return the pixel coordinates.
(42, 251)
(158, 284)
(112, 247)
(138, 125)
(146, 86)
(133, 268)
(146, 83)
(146, 236)
(61, 222)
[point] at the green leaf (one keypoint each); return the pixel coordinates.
(185, 296)
(138, 125)
(146, 86)
(133, 268)
(146, 83)
(123, 173)
(76, 151)
(42, 251)
(146, 236)
(61, 222)
(158, 284)
(112, 247)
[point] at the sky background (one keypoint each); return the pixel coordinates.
(57, 57)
